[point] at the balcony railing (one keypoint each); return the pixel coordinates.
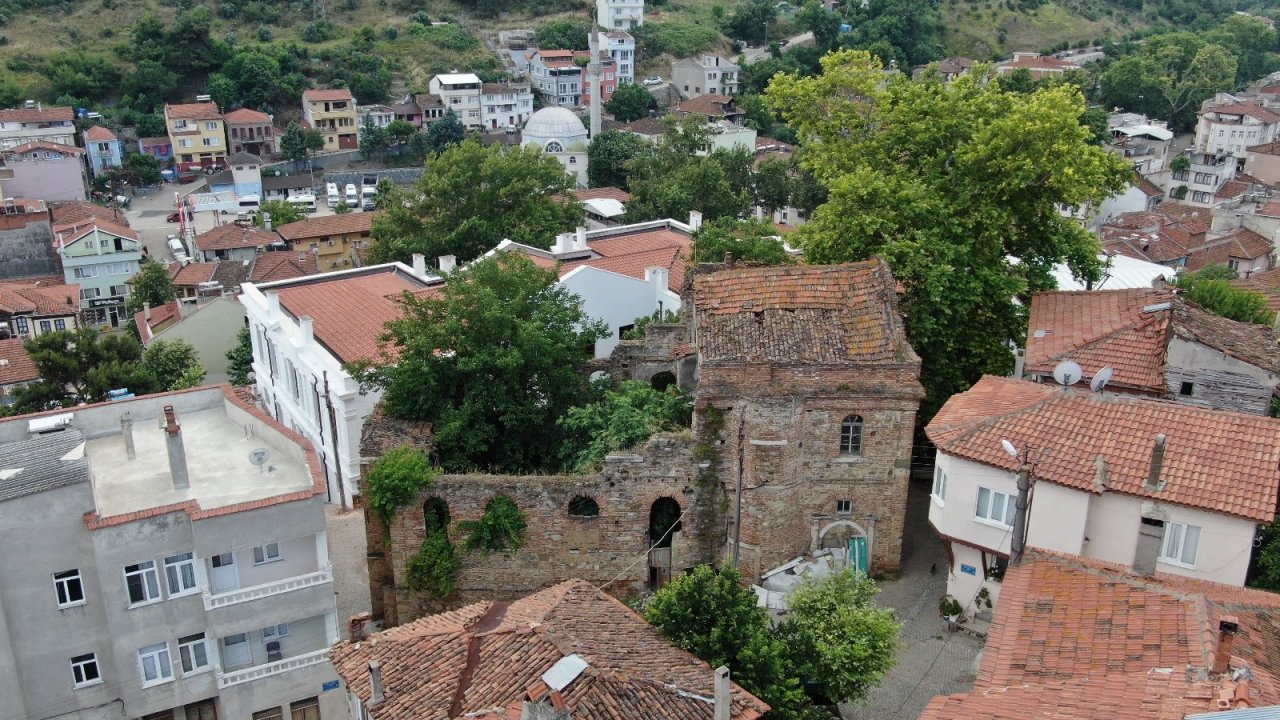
(268, 589)
(235, 677)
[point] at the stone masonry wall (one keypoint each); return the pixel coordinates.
(26, 248)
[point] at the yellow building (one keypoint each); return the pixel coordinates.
(333, 112)
(333, 240)
(197, 134)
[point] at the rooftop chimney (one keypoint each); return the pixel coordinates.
(273, 304)
(563, 244)
(177, 453)
(377, 697)
(580, 239)
(419, 265)
(447, 263)
(1157, 462)
(307, 326)
(356, 626)
(1228, 626)
(126, 429)
(724, 701)
(695, 220)
(146, 310)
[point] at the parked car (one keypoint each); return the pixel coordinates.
(173, 216)
(655, 80)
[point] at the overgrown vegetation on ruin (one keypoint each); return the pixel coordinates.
(499, 529)
(395, 480)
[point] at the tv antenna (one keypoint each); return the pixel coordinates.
(1067, 373)
(259, 457)
(1101, 378)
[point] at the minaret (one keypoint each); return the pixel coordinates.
(593, 75)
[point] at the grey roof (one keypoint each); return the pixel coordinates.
(39, 464)
(285, 182)
(244, 158)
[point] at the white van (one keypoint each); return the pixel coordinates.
(304, 202)
(249, 203)
(367, 195)
(353, 196)
(332, 191)
(176, 247)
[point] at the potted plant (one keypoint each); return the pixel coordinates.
(949, 608)
(984, 597)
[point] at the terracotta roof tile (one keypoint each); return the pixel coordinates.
(1241, 244)
(350, 223)
(192, 273)
(161, 317)
(245, 116)
(97, 133)
(1272, 148)
(38, 114)
(1251, 109)
(46, 145)
(609, 193)
(328, 94)
(1231, 190)
(1214, 460)
(282, 265)
(485, 659)
(713, 106)
(73, 214)
(232, 236)
(193, 111)
(40, 297)
(15, 363)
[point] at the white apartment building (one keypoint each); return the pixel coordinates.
(1228, 125)
(707, 75)
(173, 564)
(379, 116)
(304, 331)
(620, 14)
(621, 46)
(34, 123)
(1208, 173)
(505, 104)
(460, 92)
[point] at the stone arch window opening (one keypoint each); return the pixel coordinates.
(851, 435)
(435, 515)
(664, 521)
(582, 506)
(663, 380)
(554, 146)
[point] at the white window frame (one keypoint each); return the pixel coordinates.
(273, 631)
(188, 649)
(1174, 547)
(79, 664)
(159, 655)
(176, 580)
(62, 588)
(939, 491)
(146, 570)
(982, 511)
(262, 553)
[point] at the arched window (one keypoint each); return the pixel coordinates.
(663, 380)
(435, 515)
(583, 507)
(851, 435)
(554, 146)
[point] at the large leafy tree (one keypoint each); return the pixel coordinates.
(747, 240)
(1169, 76)
(471, 198)
(749, 22)
(78, 366)
(174, 364)
(240, 359)
(674, 179)
(298, 143)
(281, 213)
(563, 35)
(629, 102)
(608, 155)
(909, 32)
(946, 181)
(623, 418)
(446, 132)
(491, 361)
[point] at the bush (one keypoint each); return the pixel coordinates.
(501, 527)
(433, 569)
(622, 419)
(420, 18)
(395, 480)
(451, 37)
(676, 38)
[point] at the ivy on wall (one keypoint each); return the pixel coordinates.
(500, 528)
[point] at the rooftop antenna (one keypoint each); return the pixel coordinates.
(1101, 379)
(1067, 373)
(259, 457)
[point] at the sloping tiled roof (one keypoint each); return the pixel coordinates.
(709, 105)
(193, 111)
(1251, 109)
(603, 193)
(97, 133)
(1272, 148)
(1231, 190)
(232, 236)
(38, 114)
(350, 309)
(350, 223)
(162, 317)
(192, 273)
(161, 141)
(282, 265)
(73, 214)
(1147, 187)
(1242, 243)
(816, 315)
(1195, 220)
(15, 363)
(1256, 345)
(1267, 283)
(482, 659)
(1214, 460)
(40, 297)
(1077, 639)
(327, 94)
(245, 116)
(46, 145)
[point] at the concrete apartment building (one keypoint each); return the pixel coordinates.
(45, 170)
(33, 122)
(620, 14)
(197, 134)
(333, 113)
(101, 258)
(175, 564)
(621, 46)
(707, 75)
(564, 83)
(250, 131)
(505, 104)
(459, 92)
(1227, 125)
(333, 239)
(104, 150)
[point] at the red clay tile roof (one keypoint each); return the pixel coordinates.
(327, 94)
(1077, 639)
(1147, 187)
(1272, 148)
(232, 236)
(1241, 244)
(1043, 62)
(245, 116)
(349, 310)
(161, 318)
(1271, 209)
(482, 659)
(193, 111)
(41, 297)
(38, 114)
(97, 133)
(634, 264)
(1195, 220)
(192, 273)
(105, 226)
(46, 145)
(713, 106)
(816, 315)
(1231, 190)
(153, 141)
(1214, 460)
(350, 223)
(282, 265)
(1267, 283)
(604, 193)
(1250, 109)
(73, 214)
(15, 363)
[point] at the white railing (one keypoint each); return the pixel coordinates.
(235, 677)
(268, 589)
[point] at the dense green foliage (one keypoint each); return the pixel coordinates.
(445, 133)
(499, 529)
(670, 179)
(492, 361)
(904, 33)
(280, 212)
(1265, 569)
(151, 286)
(173, 365)
(946, 207)
(622, 418)
(750, 21)
(673, 38)
(299, 144)
(471, 198)
(240, 359)
(1220, 297)
(434, 567)
(631, 101)
(752, 241)
(608, 155)
(395, 480)
(563, 35)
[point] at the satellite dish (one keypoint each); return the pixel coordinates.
(1067, 373)
(1101, 379)
(259, 456)
(1009, 448)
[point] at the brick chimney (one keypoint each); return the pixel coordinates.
(377, 696)
(1228, 626)
(177, 451)
(356, 626)
(1157, 464)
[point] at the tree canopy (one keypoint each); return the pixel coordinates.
(445, 132)
(624, 417)
(492, 361)
(152, 286)
(1211, 291)
(747, 240)
(298, 143)
(240, 359)
(672, 179)
(946, 207)
(630, 101)
(608, 155)
(1169, 77)
(471, 198)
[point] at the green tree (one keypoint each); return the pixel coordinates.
(150, 84)
(401, 131)
(623, 418)
(908, 30)
(149, 125)
(491, 362)
(1265, 570)
(10, 91)
(837, 640)
(750, 21)
(80, 366)
(714, 616)
(395, 480)
(142, 169)
(824, 24)
(240, 360)
(1252, 42)
(563, 35)
(446, 132)
(630, 102)
(1169, 77)
(152, 285)
(223, 91)
(608, 155)
(472, 197)
(79, 74)
(1220, 297)
(281, 213)
(773, 183)
(759, 116)
(747, 240)
(374, 140)
(947, 207)
(672, 179)
(175, 365)
(298, 143)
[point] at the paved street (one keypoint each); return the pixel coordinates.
(350, 569)
(931, 660)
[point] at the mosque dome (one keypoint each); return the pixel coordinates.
(553, 125)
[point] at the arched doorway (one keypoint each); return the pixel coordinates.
(663, 380)
(435, 516)
(664, 522)
(850, 537)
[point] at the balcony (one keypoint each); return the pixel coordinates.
(278, 587)
(235, 677)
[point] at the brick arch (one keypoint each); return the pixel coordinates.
(858, 529)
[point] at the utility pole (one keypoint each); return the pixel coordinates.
(1019, 542)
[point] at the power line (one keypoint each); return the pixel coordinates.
(646, 552)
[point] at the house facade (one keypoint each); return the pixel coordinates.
(564, 83)
(379, 116)
(167, 574)
(706, 75)
(101, 258)
(16, 369)
(505, 104)
(197, 135)
(160, 148)
(1201, 183)
(460, 93)
(333, 113)
(1229, 126)
(233, 242)
(1140, 140)
(332, 239)
(45, 170)
(35, 123)
(621, 46)
(31, 308)
(620, 14)
(1132, 481)
(250, 131)
(103, 149)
